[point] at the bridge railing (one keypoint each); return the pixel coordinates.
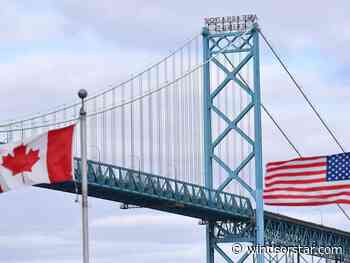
(285, 231)
(130, 180)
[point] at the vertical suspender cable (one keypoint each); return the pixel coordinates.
(142, 139)
(99, 128)
(159, 114)
(22, 132)
(95, 126)
(177, 159)
(104, 129)
(150, 124)
(65, 113)
(197, 116)
(132, 132)
(193, 117)
(166, 119)
(43, 122)
(123, 127)
(54, 117)
(32, 123)
(185, 124)
(189, 114)
(173, 117)
(113, 132)
(8, 139)
(181, 111)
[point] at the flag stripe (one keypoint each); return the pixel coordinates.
(309, 189)
(313, 186)
(283, 180)
(313, 193)
(306, 173)
(307, 200)
(295, 159)
(286, 167)
(310, 181)
(304, 196)
(318, 159)
(59, 154)
(298, 170)
(339, 201)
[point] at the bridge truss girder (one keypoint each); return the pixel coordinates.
(283, 231)
(120, 184)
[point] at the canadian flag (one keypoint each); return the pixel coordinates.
(46, 158)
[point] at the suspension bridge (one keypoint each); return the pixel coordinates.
(184, 137)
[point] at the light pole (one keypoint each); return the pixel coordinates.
(84, 180)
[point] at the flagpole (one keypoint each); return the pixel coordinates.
(84, 180)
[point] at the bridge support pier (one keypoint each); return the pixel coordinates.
(210, 242)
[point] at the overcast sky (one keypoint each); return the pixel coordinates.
(50, 49)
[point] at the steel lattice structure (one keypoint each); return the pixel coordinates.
(234, 216)
(247, 44)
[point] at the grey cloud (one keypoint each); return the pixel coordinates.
(66, 45)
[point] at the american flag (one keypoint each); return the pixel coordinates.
(308, 181)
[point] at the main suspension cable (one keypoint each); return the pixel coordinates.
(300, 89)
(112, 87)
(149, 93)
(325, 125)
(281, 130)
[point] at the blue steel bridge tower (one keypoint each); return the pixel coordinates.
(222, 37)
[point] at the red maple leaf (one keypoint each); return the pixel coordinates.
(20, 161)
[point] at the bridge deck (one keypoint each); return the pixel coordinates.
(234, 212)
(142, 189)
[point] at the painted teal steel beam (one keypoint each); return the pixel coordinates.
(208, 102)
(232, 217)
(258, 147)
(138, 188)
(286, 231)
(231, 51)
(234, 174)
(212, 45)
(208, 151)
(223, 254)
(208, 169)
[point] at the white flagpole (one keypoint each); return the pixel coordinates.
(84, 180)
